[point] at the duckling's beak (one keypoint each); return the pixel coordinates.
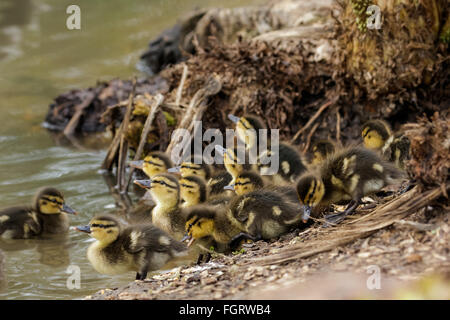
(229, 187)
(67, 209)
(86, 229)
(306, 213)
(174, 169)
(186, 238)
(146, 184)
(137, 164)
(233, 118)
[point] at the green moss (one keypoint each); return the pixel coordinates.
(170, 119)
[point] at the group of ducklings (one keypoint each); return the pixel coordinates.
(223, 207)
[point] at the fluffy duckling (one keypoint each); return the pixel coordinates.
(262, 214)
(204, 222)
(167, 214)
(347, 175)
(48, 215)
(235, 160)
(119, 249)
(291, 165)
(192, 191)
(196, 167)
(377, 135)
(249, 181)
(321, 150)
(154, 163)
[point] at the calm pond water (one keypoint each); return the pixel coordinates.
(39, 59)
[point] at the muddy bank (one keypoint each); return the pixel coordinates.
(412, 254)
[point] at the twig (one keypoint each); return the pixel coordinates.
(112, 151)
(148, 123)
(313, 118)
(180, 87)
(69, 130)
(417, 225)
(308, 139)
(123, 142)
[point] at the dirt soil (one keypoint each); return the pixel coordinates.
(413, 261)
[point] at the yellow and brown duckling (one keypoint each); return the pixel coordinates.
(197, 167)
(154, 163)
(263, 214)
(321, 150)
(167, 214)
(120, 249)
(47, 215)
(249, 181)
(235, 160)
(291, 165)
(377, 135)
(193, 191)
(347, 175)
(209, 222)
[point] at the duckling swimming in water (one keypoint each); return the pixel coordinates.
(154, 163)
(119, 249)
(321, 150)
(167, 213)
(291, 165)
(377, 135)
(347, 175)
(48, 215)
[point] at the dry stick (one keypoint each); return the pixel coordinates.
(180, 87)
(308, 139)
(69, 130)
(123, 143)
(313, 118)
(112, 151)
(148, 123)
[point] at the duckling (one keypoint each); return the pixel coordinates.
(290, 161)
(154, 163)
(167, 214)
(119, 249)
(249, 181)
(48, 215)
(347, 175)
(215, 181)
(377, 135)
(207, 221)
(321, 150)
(235, 160)
(262, 214)
(193, 191)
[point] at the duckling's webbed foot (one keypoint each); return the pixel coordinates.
(237, 239)
(336, 218)
(203, 258)
(141, 276)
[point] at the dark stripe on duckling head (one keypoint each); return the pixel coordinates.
(376, 125)
(163, 178)
(201, 185)
(162, 156)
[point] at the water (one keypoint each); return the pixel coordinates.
(39, 59)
